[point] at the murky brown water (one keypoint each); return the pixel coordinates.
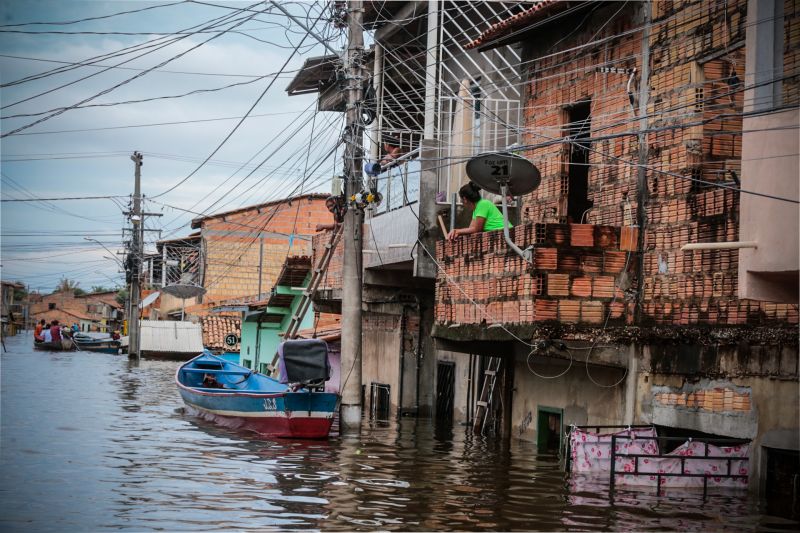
(92, 442)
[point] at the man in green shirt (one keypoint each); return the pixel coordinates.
(485, 215)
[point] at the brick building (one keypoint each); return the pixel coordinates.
(658, 292)
(98, 312)
(649, 300)
(244, 250)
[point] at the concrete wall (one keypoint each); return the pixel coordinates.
(583, 402)
(381, 344)
(745, 391)
(462, 384)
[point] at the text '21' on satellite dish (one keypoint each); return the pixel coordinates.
(494, 171)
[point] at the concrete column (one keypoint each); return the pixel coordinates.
(631, 385)
(424, 265)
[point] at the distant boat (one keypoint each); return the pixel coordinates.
(64, 345)
(234, 396)
(88, 343)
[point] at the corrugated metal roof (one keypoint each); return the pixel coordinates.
(167, 336)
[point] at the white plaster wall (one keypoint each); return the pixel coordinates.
(770, 165)
(583, 401)
(380, 356)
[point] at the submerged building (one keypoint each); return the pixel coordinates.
(663, 287)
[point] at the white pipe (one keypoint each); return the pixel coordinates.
(430, 68)
(527, 255)
(719, 245)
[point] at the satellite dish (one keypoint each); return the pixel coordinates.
(184, 291)
(149, 299)
(498, 170)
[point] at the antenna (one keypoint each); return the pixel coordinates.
(505, 173)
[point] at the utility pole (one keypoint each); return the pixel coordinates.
(350, 411)
(137, 252)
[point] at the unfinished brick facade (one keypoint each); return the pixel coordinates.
(694, 136)
(572, 278)
(232, 243)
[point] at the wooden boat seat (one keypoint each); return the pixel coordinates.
(223, 372)
(206, 389)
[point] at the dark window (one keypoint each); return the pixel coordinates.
(379, 401)
(549, 429)
(51, 306)
(783, 483)
(579, 129)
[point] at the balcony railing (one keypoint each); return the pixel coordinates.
(399, 183)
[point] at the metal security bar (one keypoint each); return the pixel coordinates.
(466, 131)
(682, 458)
(399, 183)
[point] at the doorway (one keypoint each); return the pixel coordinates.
(445, 390)
(782, 483)
(549, 429)
(379, 394)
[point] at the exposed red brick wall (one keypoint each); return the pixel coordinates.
(695, 99)
(332, 278)
(572, 278)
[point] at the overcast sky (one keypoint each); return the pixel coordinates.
(85, 151)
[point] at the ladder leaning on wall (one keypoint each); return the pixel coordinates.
(484, 403)
(317, 274)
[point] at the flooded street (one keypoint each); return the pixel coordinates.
(94, 442)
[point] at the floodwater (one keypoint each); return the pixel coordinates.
(92, 442)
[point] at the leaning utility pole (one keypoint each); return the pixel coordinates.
(350, 412)
(137, 252)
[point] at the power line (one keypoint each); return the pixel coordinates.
(230, 134)
(87, 19)
(60, 199)
(120, 84)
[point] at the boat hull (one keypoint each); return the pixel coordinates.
(306, 415)
(110, 347)
(63, 346)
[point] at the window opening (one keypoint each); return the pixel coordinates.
(579, 125)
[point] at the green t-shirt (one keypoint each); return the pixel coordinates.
(487, 210)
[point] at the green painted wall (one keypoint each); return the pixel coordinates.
(268, 344)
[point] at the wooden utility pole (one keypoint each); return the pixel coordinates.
(350, 412)
(136, 251)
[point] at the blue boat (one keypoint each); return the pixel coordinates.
(234, 396)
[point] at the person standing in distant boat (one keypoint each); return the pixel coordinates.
(47, 336)
(485, 215)
(55, 332)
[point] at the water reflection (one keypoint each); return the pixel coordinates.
(109, 446)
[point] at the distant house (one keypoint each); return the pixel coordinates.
(92, 312)
(11, 311)
(234, 254)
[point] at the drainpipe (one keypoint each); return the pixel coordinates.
(526, 254)
(402, 361)
(431, 65)
(419, 356)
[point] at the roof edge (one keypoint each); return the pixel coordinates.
(197, 222)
